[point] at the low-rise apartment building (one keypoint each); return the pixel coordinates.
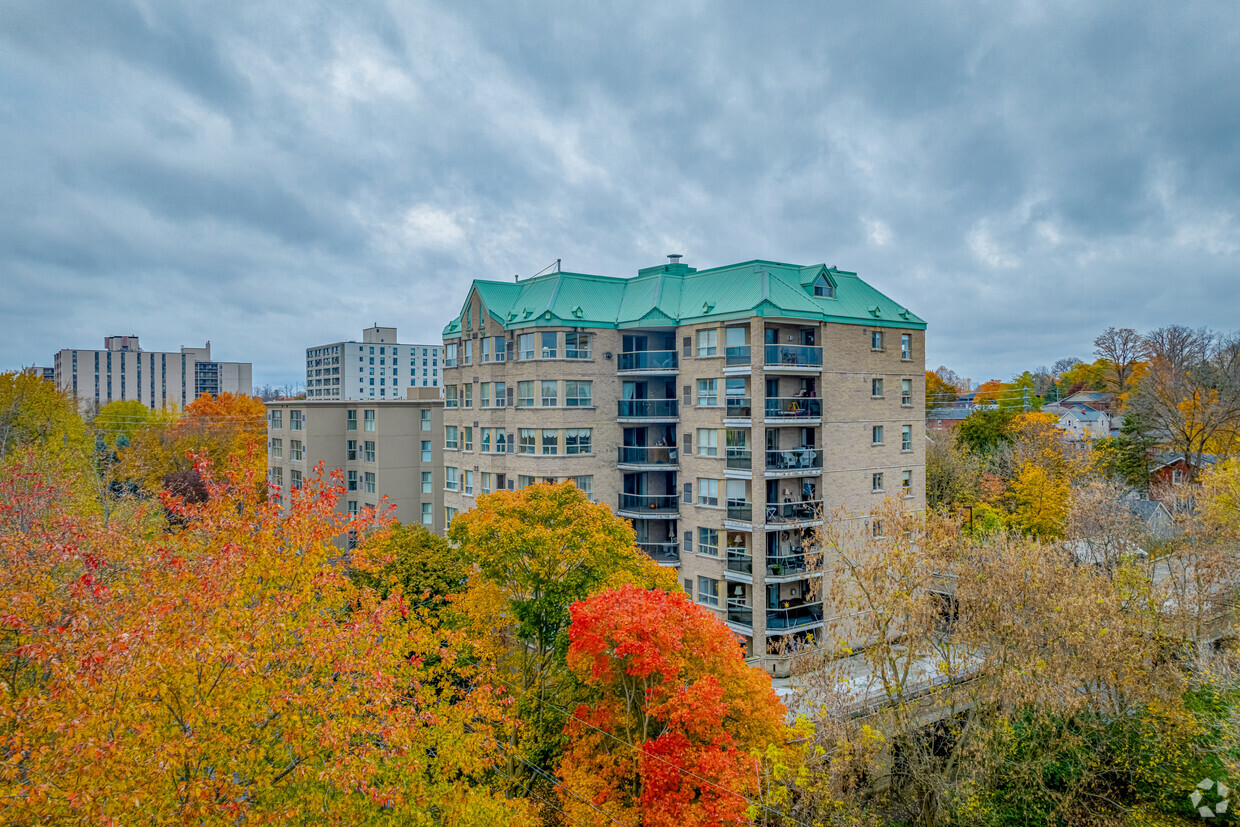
(723, 411)
(387, 448)
(122, 370)
(378, 367)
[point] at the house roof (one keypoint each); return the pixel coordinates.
(674, 294)
(948, 413)
(1145, 510)
(1164, 458)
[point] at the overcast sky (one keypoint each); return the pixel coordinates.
(274, 176)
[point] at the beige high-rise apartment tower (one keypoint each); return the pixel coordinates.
(723, 411)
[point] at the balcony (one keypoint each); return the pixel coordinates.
(736, 356)
(647, 409)
(647, 361)
(805, 511)
(738, 407)
(740, 613)
(785, 565)
(794, 459)
(793, 408)
(794, 617)
(739, 459)
(662, 456)
(793, 356)
(649, 505)
(740, 510)
(740, 561)
(665, 554)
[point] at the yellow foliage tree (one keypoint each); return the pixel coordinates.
(1040, 502)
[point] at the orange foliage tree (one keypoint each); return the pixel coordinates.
(221, 667)
(675, 715)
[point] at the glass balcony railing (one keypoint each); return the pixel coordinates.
(794, 616)
(790, 564)
(740, 510)
(739, 459)
(740, 613)
(793, 459)
(738, 355)
(659, 455)
(740, 561)
(739, 407)
(647, 360)
(793, 356)
(793, 512)
(793, 407)
(664, 553)
(647, 408)
(650, 503)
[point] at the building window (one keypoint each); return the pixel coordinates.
(468, 440)
(876, 388)
(449, 396)
(906, 438)
(427, 482)
(708, 492)
(708, 392)
(525, 345)
(450, 437)
(448, 514)
(906, 483)
(426, 450)
(876, 482)
(469, 482)
(906, 346)
(277, 419)
(350, 420)
(708, 591)
(585, 485)
(467, 396)
(548, 345)
(295, 452)
(485, 446)
(876, 340)
(708, 542)
(427, 513)
(277, 475)
(707, 342)
(499, 348)
(277, 448)
(294, 479)
(450, 480)
(351, 450)
(484, 395)
(369, 446)
(352, 480)
(577, 345)
(577, 441)
(578, 394)
(467, 352)
(525, 394)
(707, 442)
(906, 392)
(525, 441)
(369, 416)
(876, 529)
(486, 351)
(486, 482)
(449, 358)
(823, 288)
(294, 420)
(877, 434)
(549, 393)
(426, 420)
(550, 442)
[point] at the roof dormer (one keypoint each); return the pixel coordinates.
(824, 285)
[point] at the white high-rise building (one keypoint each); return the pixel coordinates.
(122, 370)
(378, 367)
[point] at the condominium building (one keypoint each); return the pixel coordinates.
(122, 370)
(378, 367)
(387, 448)
(722, 411)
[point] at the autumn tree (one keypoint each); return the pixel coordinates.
(989, 393)
(673, 715)
(226, 671)
(938, 393)
(953, 475)
(1122, 348)
(423, 565)
(536, 552)
(984, 430)
(34, 413)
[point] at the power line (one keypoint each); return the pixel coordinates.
(526, 788)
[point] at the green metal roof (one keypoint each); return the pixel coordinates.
(673, 294)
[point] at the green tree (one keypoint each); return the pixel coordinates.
(1126, 457)
(418, 562)
(37, 415)
(984, 431)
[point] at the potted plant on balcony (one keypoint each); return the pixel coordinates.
(776, 568)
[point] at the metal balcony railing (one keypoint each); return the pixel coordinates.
(792, 459)
(740, 510)
(793, 356)
(647, 360)
(793, 512)
(740, 613)
(790, 564)
(740, 561)
(738, 407)
(663, 553)
(739, 459)
(793, 407)
(650, 503)
(790, 618)
(737, 355)
(647, 408)
(658, 455)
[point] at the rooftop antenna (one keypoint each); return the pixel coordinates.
(557, 265)
(516, 277)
